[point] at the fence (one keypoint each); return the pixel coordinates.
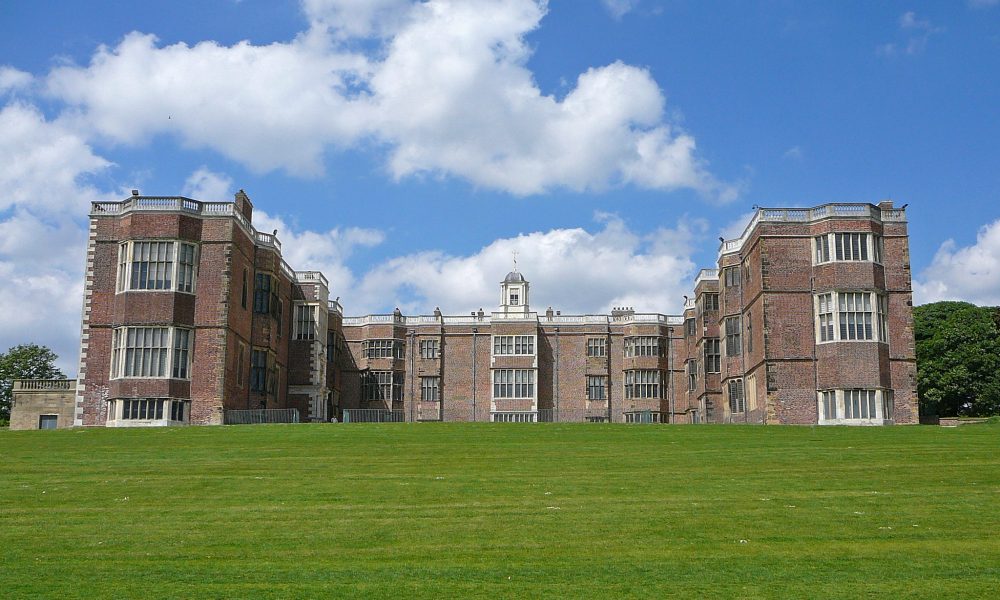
(262, 415)
(373, 415)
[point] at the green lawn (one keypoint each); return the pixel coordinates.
(512, 510)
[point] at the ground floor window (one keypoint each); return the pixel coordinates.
(430, 389)
(855, 405)
(514, 417)
(47, 421)
(149, 409)
(381, 386)
(641, 416)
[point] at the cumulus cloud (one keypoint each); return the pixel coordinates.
(44, 164)
(326, 251)
(46, 170)
(970, 273)
(442, 87)
(573, 270)
(12, 79)
(208, 186)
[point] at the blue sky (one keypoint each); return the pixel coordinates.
(406, 149)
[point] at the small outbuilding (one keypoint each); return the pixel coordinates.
(43, 404)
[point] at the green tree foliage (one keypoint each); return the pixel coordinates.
(26, 361)
(958, 359)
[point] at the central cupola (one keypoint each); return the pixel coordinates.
(514, 293)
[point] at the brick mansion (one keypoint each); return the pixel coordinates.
(191, 313)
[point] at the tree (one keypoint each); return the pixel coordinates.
(26, 361)
(958, 359)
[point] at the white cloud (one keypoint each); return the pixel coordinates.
(326, 251)
(12, 79)
(737, 226)
(573, 270)
(44, 164)
(208, 186)
(619, 8)
(442, 86)
(970, 273)
(41, 265)
(44, 171)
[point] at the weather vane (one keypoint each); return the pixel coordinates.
(515, 259)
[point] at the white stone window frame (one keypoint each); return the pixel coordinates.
(644, 345)
(736, 396)
(514, 384)
(827, 311)
(597, 388)
(513, 345)
(384, 348)
(119, 352)
(148, 411)
(597, 347)
(429, 349)
(178, 274)
(643, 384)
(713, 360)
(305, 324)
(514, 417)
(430, 389)
(881, 402)
(827, 247)
(638, 416)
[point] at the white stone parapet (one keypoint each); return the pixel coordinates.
(809, 215)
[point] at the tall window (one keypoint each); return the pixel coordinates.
(331, 346)
(692, 373)
(597, 347)
(382, 386)
(513, 383)
(859, 316)
(305, 322)
(734, 343)
(822, 243)
(690, 327)
(828, 400)
(384, 348)
(243, 293)
(731, 276)
(737, 402)
(713, 355)
(262, 293)
(710, 301)
(151, 352)
(156, 265)
(513, 345)
(182, 353)
(241, 356)
(825, 309)
(428, 348)
(645, 346)
(644, 383)
(258, 371)
(430, 388)
(749, 332)
(597, 387)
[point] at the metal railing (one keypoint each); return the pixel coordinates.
(373, 415)
(261, 415)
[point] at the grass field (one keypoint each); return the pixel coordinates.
(478, 510)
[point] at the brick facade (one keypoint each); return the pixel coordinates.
(266, 336)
